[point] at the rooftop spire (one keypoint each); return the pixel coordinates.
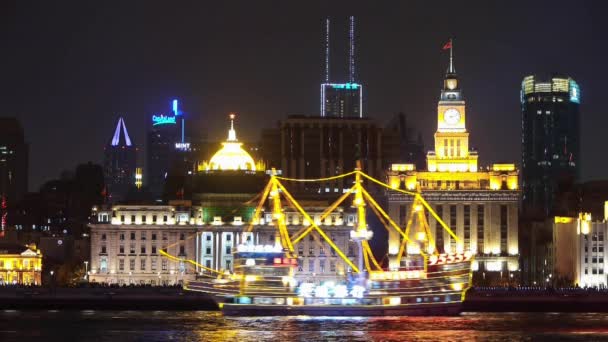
(121, 127)
(351, 50)
(232, 132)
(327, 50)
(450, 45)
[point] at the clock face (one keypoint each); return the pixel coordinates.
(451, 116)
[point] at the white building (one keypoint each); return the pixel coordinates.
(580, 254)
(126, 240)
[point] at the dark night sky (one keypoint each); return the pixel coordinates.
(67, 69)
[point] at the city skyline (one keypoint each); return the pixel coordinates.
(66, 86)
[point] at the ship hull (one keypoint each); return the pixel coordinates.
(430, 309)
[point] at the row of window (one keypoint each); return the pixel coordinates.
(143, 236)
(321, 269)
(103, 265)
(132, 249)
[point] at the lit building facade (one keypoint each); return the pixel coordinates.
(120, 158)
(479, 205)
(342, 100)
(20, 265)
(126, 243)
(580, 251)
(550, 140)
(126, 240)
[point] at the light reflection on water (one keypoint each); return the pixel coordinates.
(97, 325)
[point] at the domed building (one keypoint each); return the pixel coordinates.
(229, 179)
(232, 156)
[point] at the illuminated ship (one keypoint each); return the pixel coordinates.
(419, 280)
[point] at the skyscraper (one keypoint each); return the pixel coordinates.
(14, 153)
(164, 139)
(120, 157)
(550, 140)
(341, 99)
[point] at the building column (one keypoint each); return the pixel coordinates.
(283, 150)
(301, 159)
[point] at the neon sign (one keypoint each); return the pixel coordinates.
(182, 146)
(575, 93)
(162, 120)
(175, 109)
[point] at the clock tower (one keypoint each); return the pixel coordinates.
(451, 139)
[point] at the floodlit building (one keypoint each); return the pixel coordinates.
(550, 140)
(580, 251)
(20, 265)
(126, 240)
(479, 204)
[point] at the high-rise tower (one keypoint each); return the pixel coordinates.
(451, 139)
(550, 140)
(341, 99)
(120, 157)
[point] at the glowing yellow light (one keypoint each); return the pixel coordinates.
(585, 223)
(250, 278)
(231, 156)
(420, 236)
(503, 167)
(402, 167)
(562, 219)
(457, 286)
(395, 300)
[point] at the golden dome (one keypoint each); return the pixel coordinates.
(231, 156)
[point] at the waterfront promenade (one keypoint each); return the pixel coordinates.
(175, 298)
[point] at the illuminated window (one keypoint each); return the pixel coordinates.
(311, 265)
(153, 264)
(103, 265)
(121, 264)
(164, 264)
(322, 266)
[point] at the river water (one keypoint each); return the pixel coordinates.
(211, 326)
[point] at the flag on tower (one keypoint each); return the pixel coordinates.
(447, 45)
